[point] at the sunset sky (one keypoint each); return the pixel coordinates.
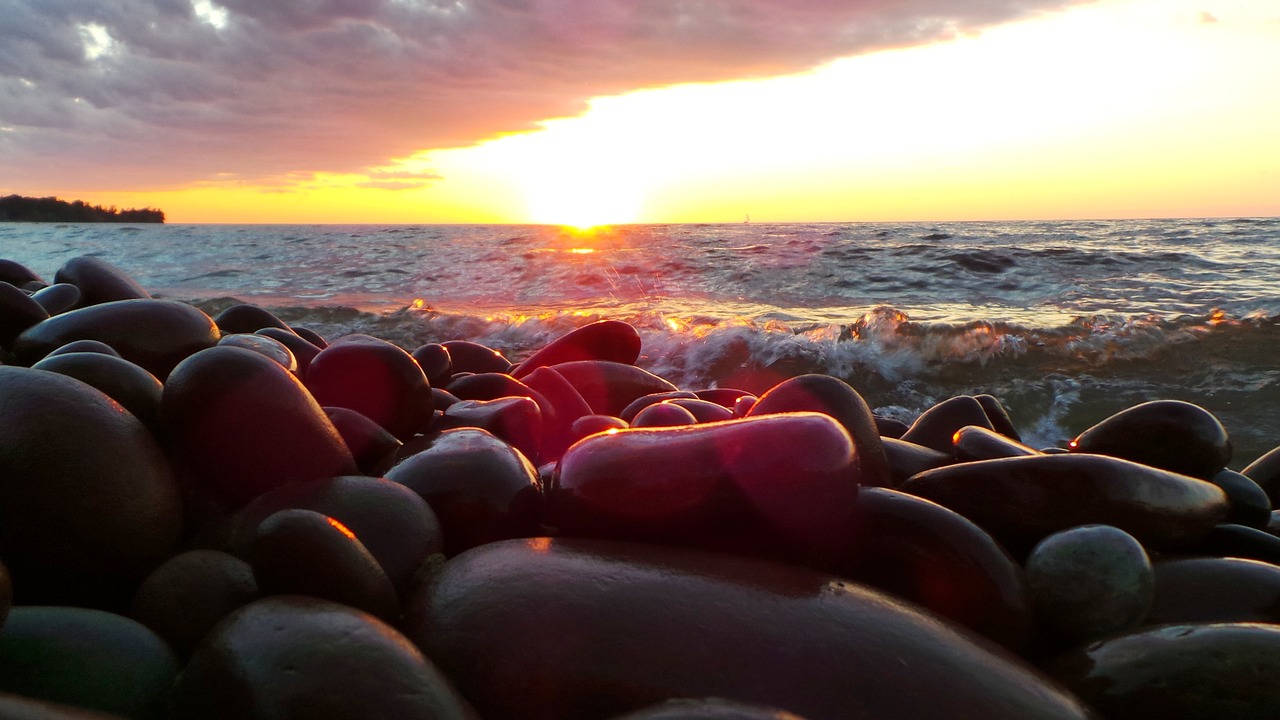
(589, 111)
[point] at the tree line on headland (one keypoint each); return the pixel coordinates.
(16, 208)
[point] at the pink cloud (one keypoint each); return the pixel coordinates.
(343, 85)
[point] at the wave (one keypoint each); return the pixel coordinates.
(1055, 381)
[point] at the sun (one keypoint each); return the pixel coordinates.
(582, 199)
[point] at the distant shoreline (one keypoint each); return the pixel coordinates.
(16, 208)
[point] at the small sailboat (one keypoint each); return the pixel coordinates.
(747, 220)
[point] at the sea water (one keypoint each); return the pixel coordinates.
(1065, 322)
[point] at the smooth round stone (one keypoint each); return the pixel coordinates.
(156, 334)
(6, 593)
(937, 426)
(393, 523)
(890, 427)
(376, 379)
(742, 407)
(640, 403)
(663, 414)
(703, 411)
(707, 709)
(588, 425)
(302, 552)
(247, 425)
(128, 384)
(17, 274)
(303, 350)
(86, 494)
(310, 336)
(1022, 500)
(1090, 581)
(76, 346)
(1228, 540)
(288, 657)
(59, 298)
(1249, 502)
(906, 459)
(612, 340)
(1179, 672)
(435, 362)
(368, 441)
(727, 398)
(999, 417)
(481, 488)
(517, 421)
(567, 403)
(99, 281)
(929, 555)
(782, 485)
(609, 387)
(86, 658)
(834, 397)
(263, 345)
(189, 593)
(17, 313)
(978, 443)
(1215, 590)
(245, 318)
(1266, 472)
(1169, 434)
(468, 356)
(561, 629)
(17, 707)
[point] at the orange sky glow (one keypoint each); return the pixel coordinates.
(1116, 108)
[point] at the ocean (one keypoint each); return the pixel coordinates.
(1066, 322)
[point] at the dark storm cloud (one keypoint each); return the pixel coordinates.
(130, 93)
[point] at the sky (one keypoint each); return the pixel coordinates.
(611, 111)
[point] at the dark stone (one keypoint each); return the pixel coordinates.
(1215, 589)
(1266, 472)
(779, 486)
(703, 411)
(1228, 540)
(1249, 502)
(17, 274)
(467, 356)
(707, 709)
(265, 346)
(906, 459)
(304, 351)
(396, 526)
(303, 552)
(609, 387)
(589, 425)
(248, 319)
(929, 555)
(57, 299)
(296, 657)
(663, 414)
(890, 428)
(368, 441)
(937, 426)
(612, 340)
(17, 313)
(693, 624)
(99, 281)
(136, 389)
(514, 420)
(834, 397)
(481, 488)
(635, 406)
(156, 334)
(723, 396)
(1179, 672)
(1168, 434)
(979, 443)
(187, 595)
(376, 379)
(998, 416)
(247, 425)
(1090, 581)
(88, 659)
(567, 403)
(1022, 500)
(435, 362)
(76, 346)
(87, 495)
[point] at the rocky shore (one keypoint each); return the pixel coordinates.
(233, 517)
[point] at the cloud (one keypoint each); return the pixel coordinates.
(119, 94)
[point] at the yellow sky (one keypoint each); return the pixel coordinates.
(1128, 108)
